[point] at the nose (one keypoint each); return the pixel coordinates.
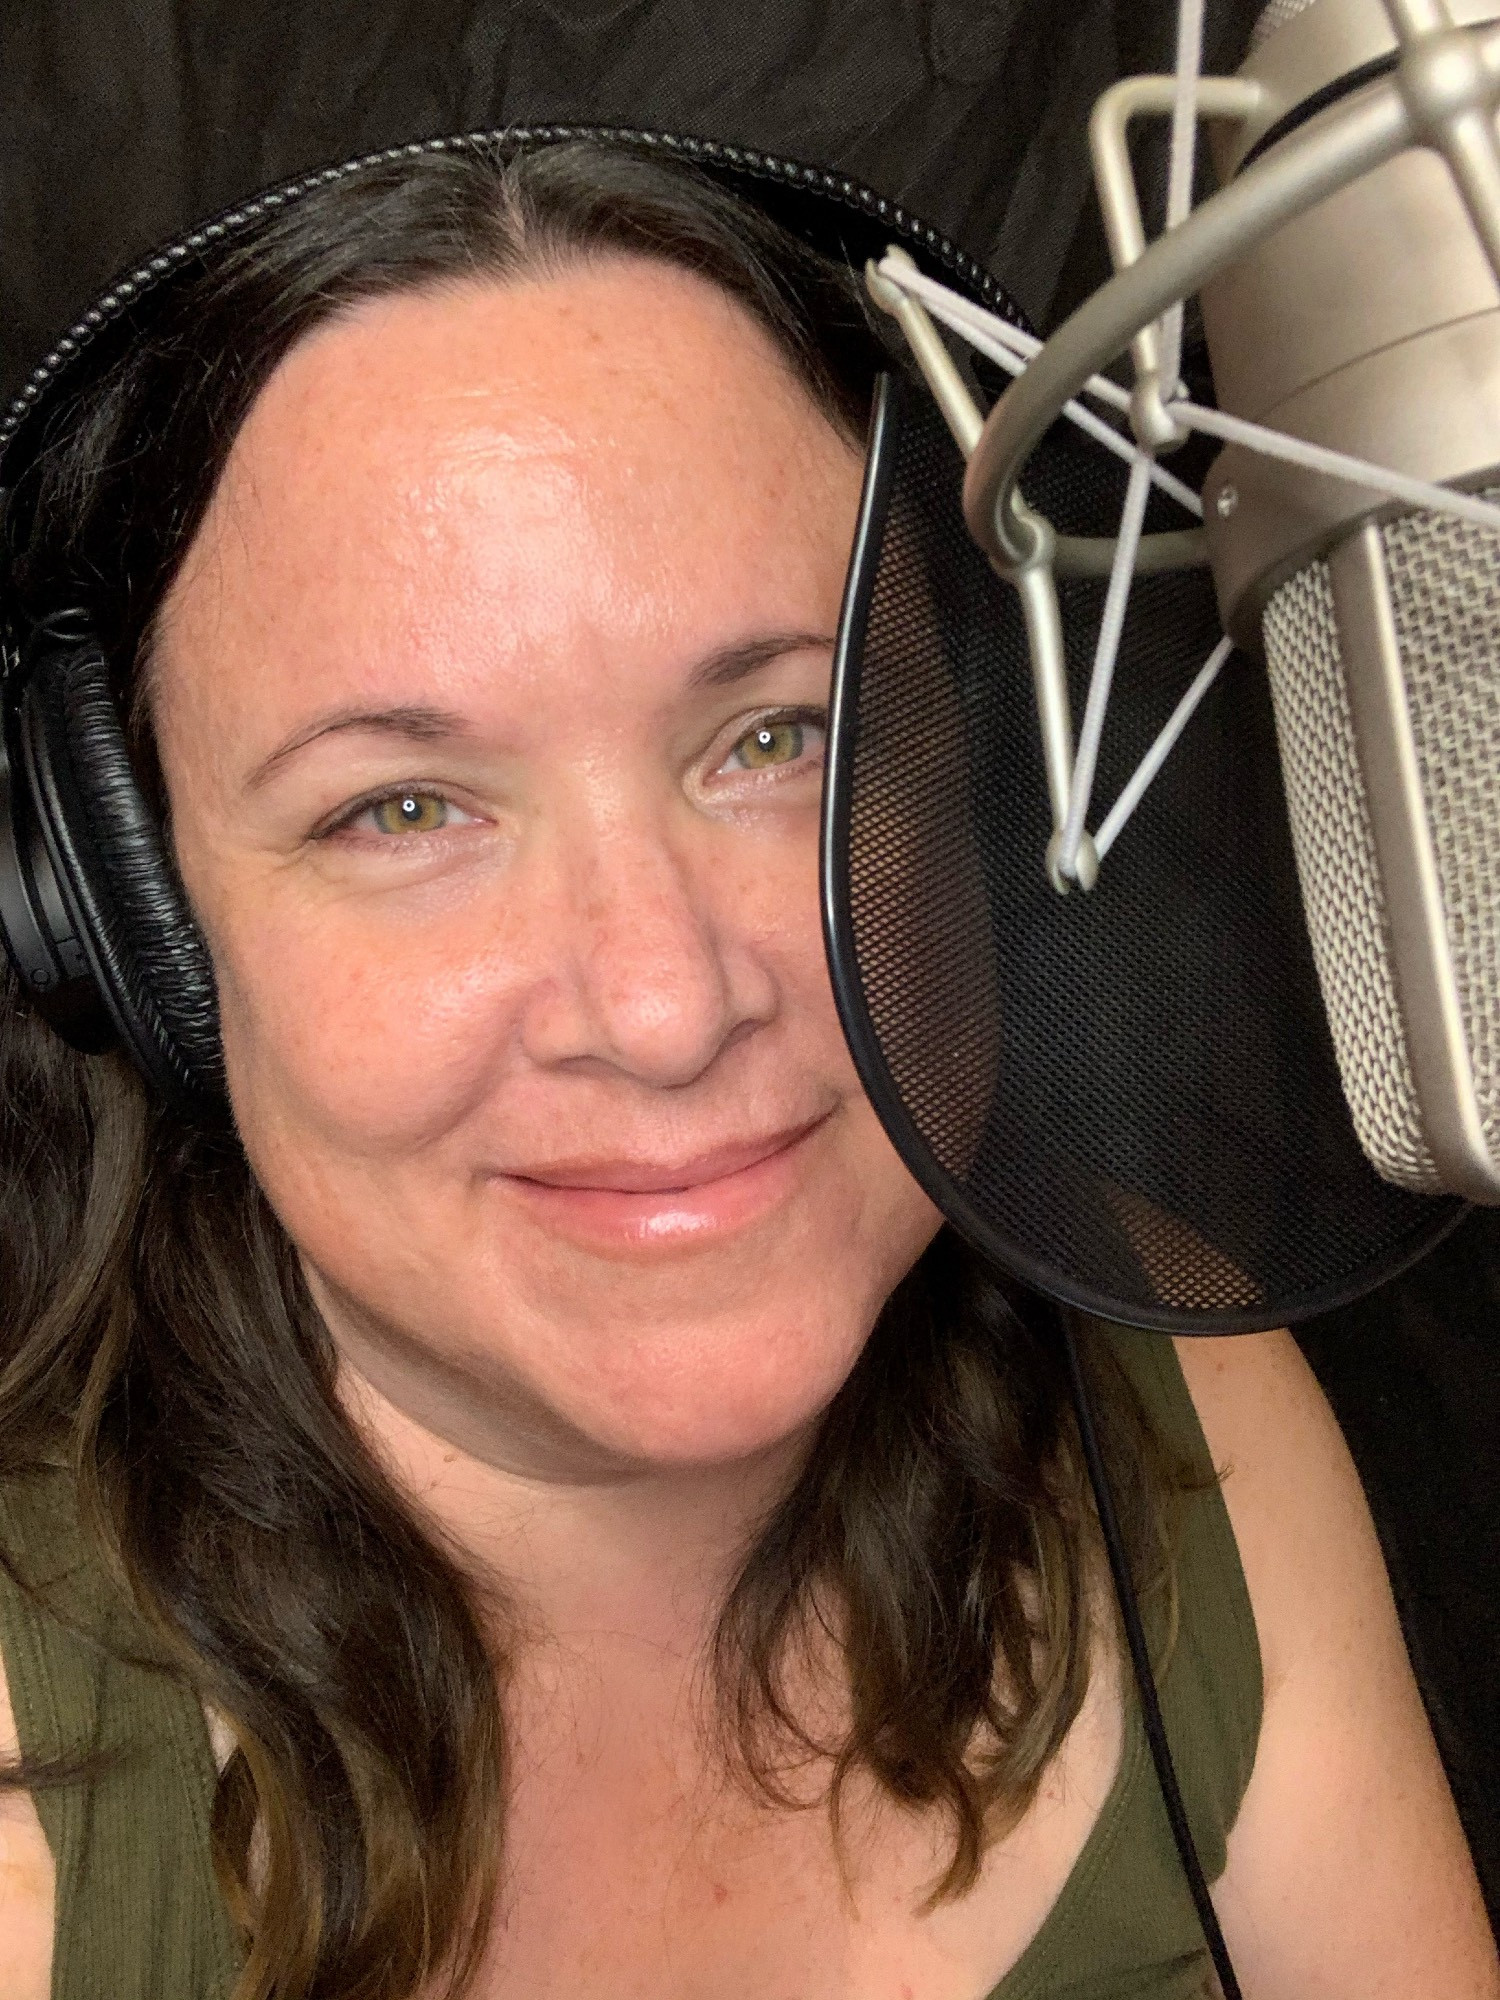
(647, 973)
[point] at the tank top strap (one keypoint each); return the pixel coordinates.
(1124, 1922)
(1211, 1684)
(139, 1915)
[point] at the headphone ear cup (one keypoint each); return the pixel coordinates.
(145, 951)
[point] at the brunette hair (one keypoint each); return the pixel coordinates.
(159, 1335)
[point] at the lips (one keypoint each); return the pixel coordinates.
(643, 1207)
(648, 1177)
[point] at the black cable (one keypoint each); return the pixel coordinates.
(1145, 1680)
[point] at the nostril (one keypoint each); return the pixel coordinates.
(634, 974)
(660, 994)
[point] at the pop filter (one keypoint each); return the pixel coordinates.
(1129, 1098)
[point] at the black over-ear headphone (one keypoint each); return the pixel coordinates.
(93, 917)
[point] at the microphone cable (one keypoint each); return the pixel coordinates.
(1140, 1660)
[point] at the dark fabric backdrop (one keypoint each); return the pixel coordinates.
(123, 122)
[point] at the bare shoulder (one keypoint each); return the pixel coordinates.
(1348, 1874)
(1294, 1498)
(27, 1877)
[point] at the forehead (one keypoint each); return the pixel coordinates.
(605, 442)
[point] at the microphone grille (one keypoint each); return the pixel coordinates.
(1445, 595)
(1275, 16)
(1341, 891)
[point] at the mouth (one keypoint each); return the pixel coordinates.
(641, 1204)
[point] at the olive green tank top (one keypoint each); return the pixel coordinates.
(139, 1914)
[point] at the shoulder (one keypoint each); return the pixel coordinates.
(1294, 1499)
(27, 1875)
(1348, 1873)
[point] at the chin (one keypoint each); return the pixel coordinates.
(719, 1353)
(698, 1394)
(505, 1323)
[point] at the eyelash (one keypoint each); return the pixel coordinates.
(813, 717)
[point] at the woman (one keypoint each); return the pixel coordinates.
(614, 1541)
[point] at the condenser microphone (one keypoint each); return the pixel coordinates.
(1349, 273)
(1370, 325)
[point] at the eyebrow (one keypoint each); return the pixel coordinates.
(416, 723)
(731, 664)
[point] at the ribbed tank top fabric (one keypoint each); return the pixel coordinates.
(139, 1914)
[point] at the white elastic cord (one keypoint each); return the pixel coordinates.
(1010, 348)
(1161, 749)
(981, 328)
(1095, 427)
(1180, 165)
(1337, 464)
(1106, 652)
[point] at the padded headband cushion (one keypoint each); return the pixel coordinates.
(148, 956)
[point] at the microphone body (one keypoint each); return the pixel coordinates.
(1371, 325)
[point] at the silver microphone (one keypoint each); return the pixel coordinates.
(1349, 273)
(1371, 324)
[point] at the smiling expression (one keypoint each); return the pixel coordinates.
(490, 702)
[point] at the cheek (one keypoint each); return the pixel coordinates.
(865, 1220)
(379, 1034)
(766, 897)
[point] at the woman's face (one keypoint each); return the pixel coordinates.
(490, 702)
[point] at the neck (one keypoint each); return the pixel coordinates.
(582, 1548)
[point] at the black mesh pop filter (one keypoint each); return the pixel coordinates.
(1127, 1097)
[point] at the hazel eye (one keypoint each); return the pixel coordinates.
(776, 740)
(410, 812)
